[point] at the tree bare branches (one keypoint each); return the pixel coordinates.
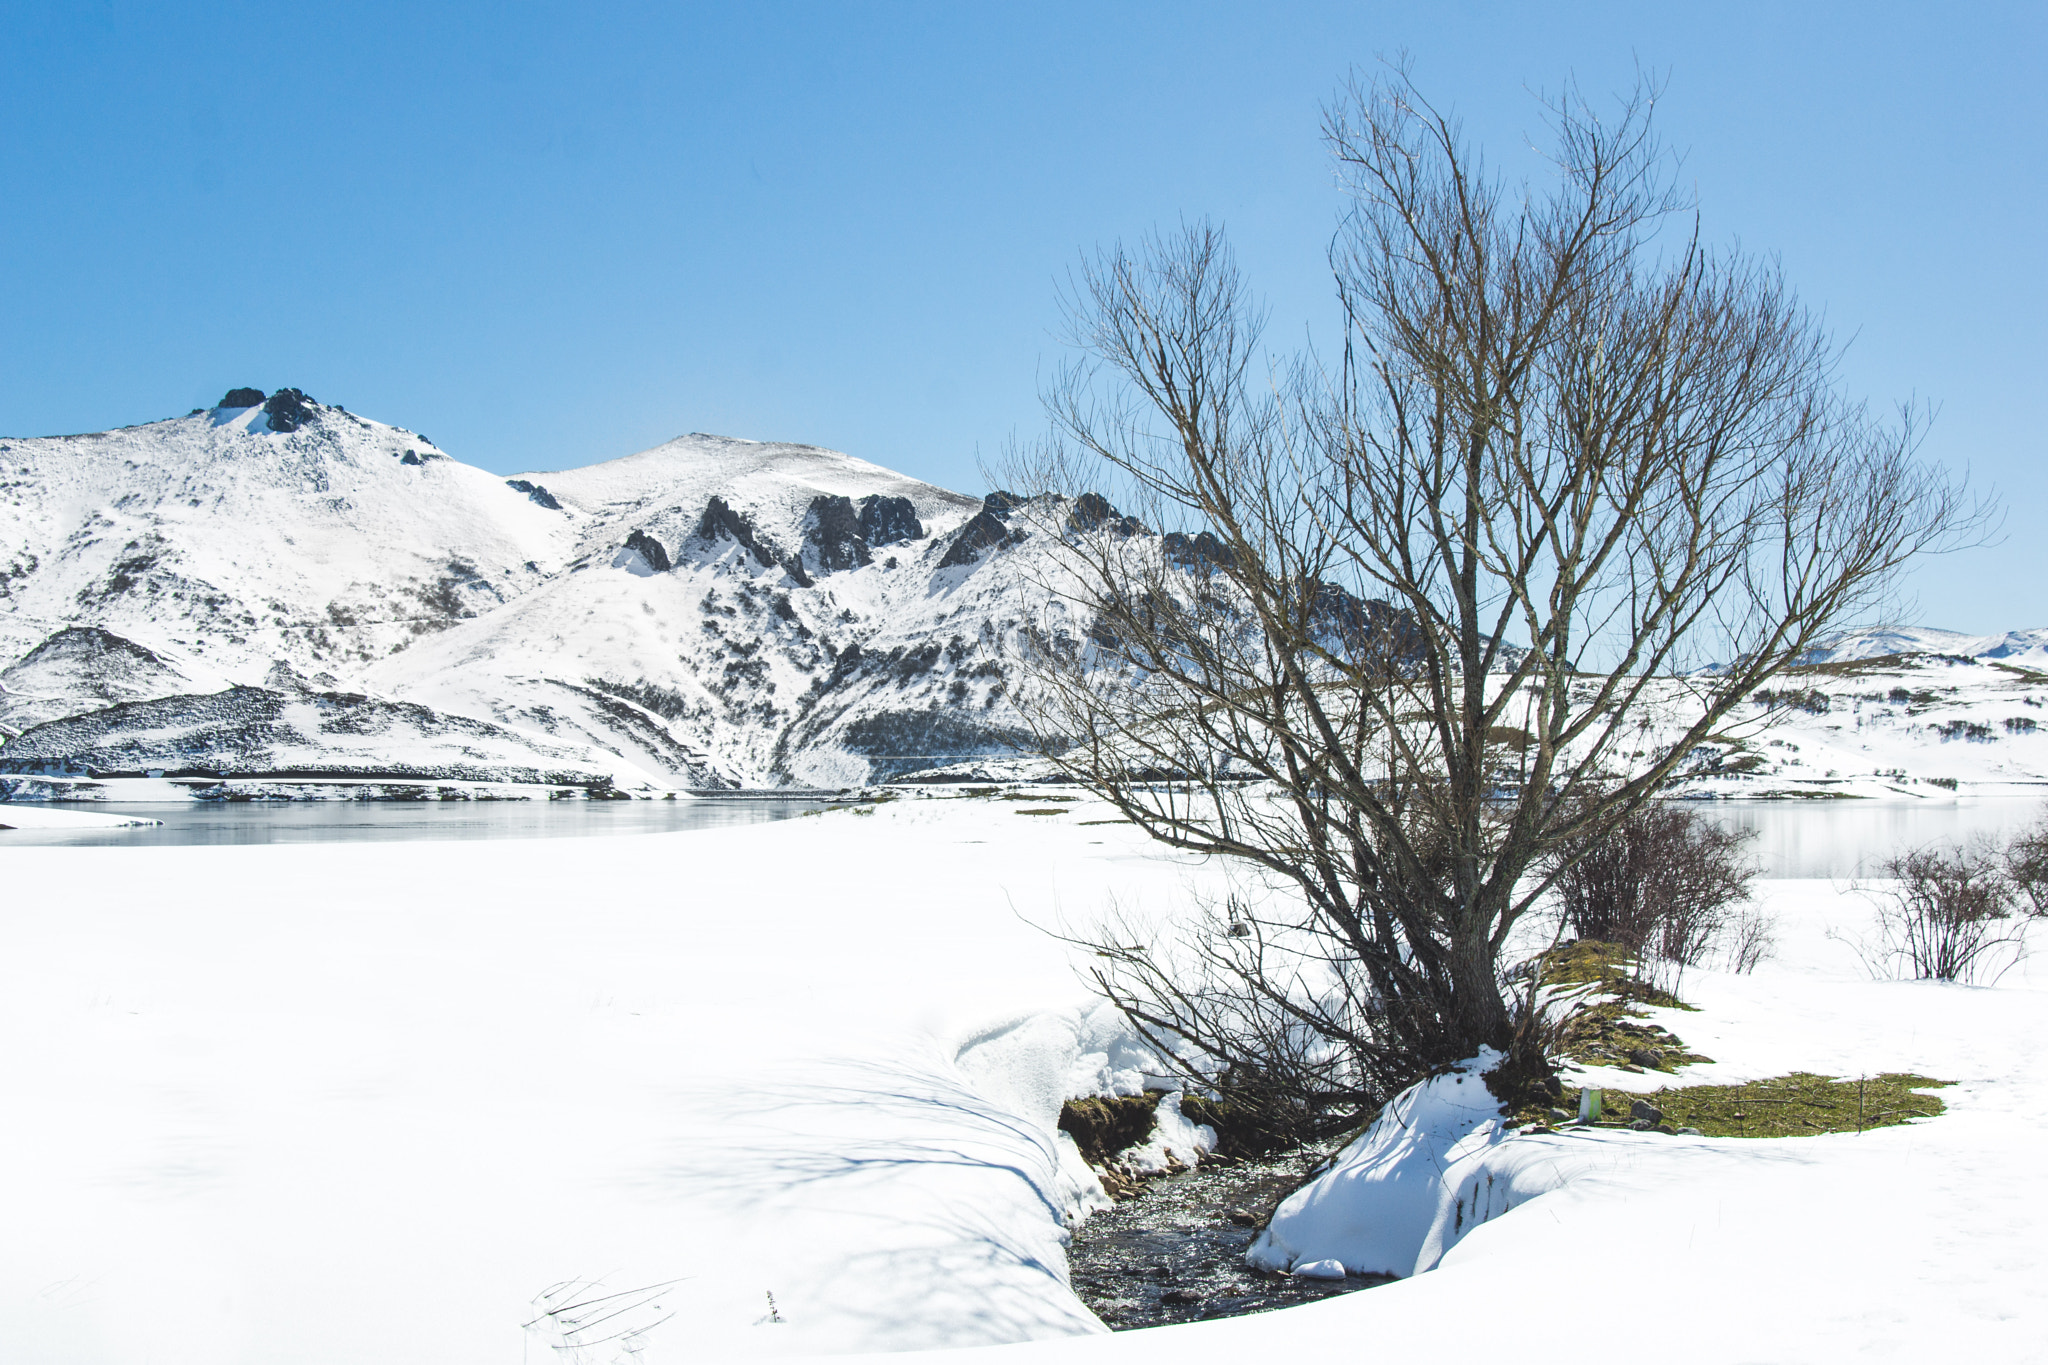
(1432, 613)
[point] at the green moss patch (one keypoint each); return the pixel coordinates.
(1800, 1104)
(1608, 966)
(1608, 1033)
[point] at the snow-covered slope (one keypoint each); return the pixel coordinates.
(328, 543)
(1929, 726)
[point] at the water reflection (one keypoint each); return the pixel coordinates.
(329, 822)
(1793, 838)
(1852, 838)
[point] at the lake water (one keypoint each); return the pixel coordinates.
(1793, 838)
(324, 822)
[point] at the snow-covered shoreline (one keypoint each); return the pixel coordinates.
(41, 817)
(359, 1101)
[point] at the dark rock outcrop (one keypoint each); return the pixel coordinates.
(1359, 628)
(988, 530)
(650, 550)
(832, 536)
(1199, 551)
(985, 532)
(885, 520)
(721, 522)
(288, 410)
(241, 398)
(534, 492)
(1093, 512)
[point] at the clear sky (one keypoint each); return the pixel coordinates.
(546, 235)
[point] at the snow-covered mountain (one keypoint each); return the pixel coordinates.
(276, 590)
(712, 612)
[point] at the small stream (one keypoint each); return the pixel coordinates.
(1175, 1252)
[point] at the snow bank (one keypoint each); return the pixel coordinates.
(1428, 1170)
(1910, 1243)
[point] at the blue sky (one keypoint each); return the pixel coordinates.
(549, 234)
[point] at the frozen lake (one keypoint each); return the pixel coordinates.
(334, 822)
(1852, 838)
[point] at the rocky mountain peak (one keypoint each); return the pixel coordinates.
(289, 409)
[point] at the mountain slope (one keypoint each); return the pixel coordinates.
(2028, 647)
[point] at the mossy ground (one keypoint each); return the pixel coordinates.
(1800, 1104)
(1605, 1027)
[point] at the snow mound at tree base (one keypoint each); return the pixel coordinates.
(1438, 1162)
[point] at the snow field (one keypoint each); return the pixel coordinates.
(373, 1101)
(1921, 1242)
(337, 1103)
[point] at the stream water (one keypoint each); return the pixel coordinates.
(1175, 1251)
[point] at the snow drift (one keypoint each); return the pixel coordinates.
(1436, 1164)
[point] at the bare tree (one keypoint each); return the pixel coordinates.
(1435, 611)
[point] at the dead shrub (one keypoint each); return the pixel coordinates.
(2026, 863)
(1948, 914)
(1665, 885)
(1752, 937)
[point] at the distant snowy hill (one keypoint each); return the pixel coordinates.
(2018, 646)
(712, 612)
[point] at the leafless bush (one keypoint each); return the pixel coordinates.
(1253, 1009)
(1751, 938)
(2026, 862)
(1665, 884)
(1948, 915)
